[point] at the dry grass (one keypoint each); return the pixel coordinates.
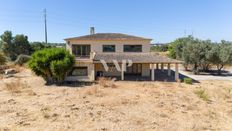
(92, 90)
(130, 106)
(17, 68)
(17, 86)
(13, 87)
(107, 82)
(1, 77)
(201, 93)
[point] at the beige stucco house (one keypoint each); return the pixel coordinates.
(131, 54)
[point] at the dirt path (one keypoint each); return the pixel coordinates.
(129, 106)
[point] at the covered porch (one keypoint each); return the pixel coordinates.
(145, 67)
(161, 72)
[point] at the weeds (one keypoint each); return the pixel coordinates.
(202, 94)
(188, 81)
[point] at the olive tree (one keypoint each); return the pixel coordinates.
(176, 47)
(220, 55)
(52, 64)
(194, 53)
(2, 59)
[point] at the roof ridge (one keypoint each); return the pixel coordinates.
(109, 36)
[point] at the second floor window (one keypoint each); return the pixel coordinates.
(81, 50)
(108, 48)
(132, 48)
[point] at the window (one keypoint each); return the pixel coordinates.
(81, 50)
(132, 48)
(108, 48)
(79, 71)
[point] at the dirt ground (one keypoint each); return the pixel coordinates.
(29, 105)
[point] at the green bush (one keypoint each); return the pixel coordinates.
(188, 81)
(52, 64)
(22, 59)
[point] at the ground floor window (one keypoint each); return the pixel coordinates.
(79, 71)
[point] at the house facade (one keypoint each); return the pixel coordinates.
(114, 55)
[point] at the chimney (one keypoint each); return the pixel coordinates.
(92, 30)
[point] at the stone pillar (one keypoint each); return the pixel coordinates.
(157, 66)
(162, 67)
(152, 72)
(176, 72)
(169, 70)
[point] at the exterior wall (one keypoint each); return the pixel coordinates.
(96, 46)
(91, 73)
(69, 48)
(145, 69)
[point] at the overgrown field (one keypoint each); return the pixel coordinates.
(26, 104)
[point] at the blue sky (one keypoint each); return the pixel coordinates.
(161, 20)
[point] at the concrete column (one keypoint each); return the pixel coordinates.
(176, 72)
(93, 73)
(157, 65)
(152, 72)
(122, 70)
(169, 70)
(162, 67)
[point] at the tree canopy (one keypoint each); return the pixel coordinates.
(14, 46)
(201, 54)
(52, 64)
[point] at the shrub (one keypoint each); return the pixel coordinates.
(22, 59)
(188, 81)
(52, 64)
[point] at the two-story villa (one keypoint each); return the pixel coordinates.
(115, 49)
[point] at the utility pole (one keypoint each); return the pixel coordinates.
(45, 25)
